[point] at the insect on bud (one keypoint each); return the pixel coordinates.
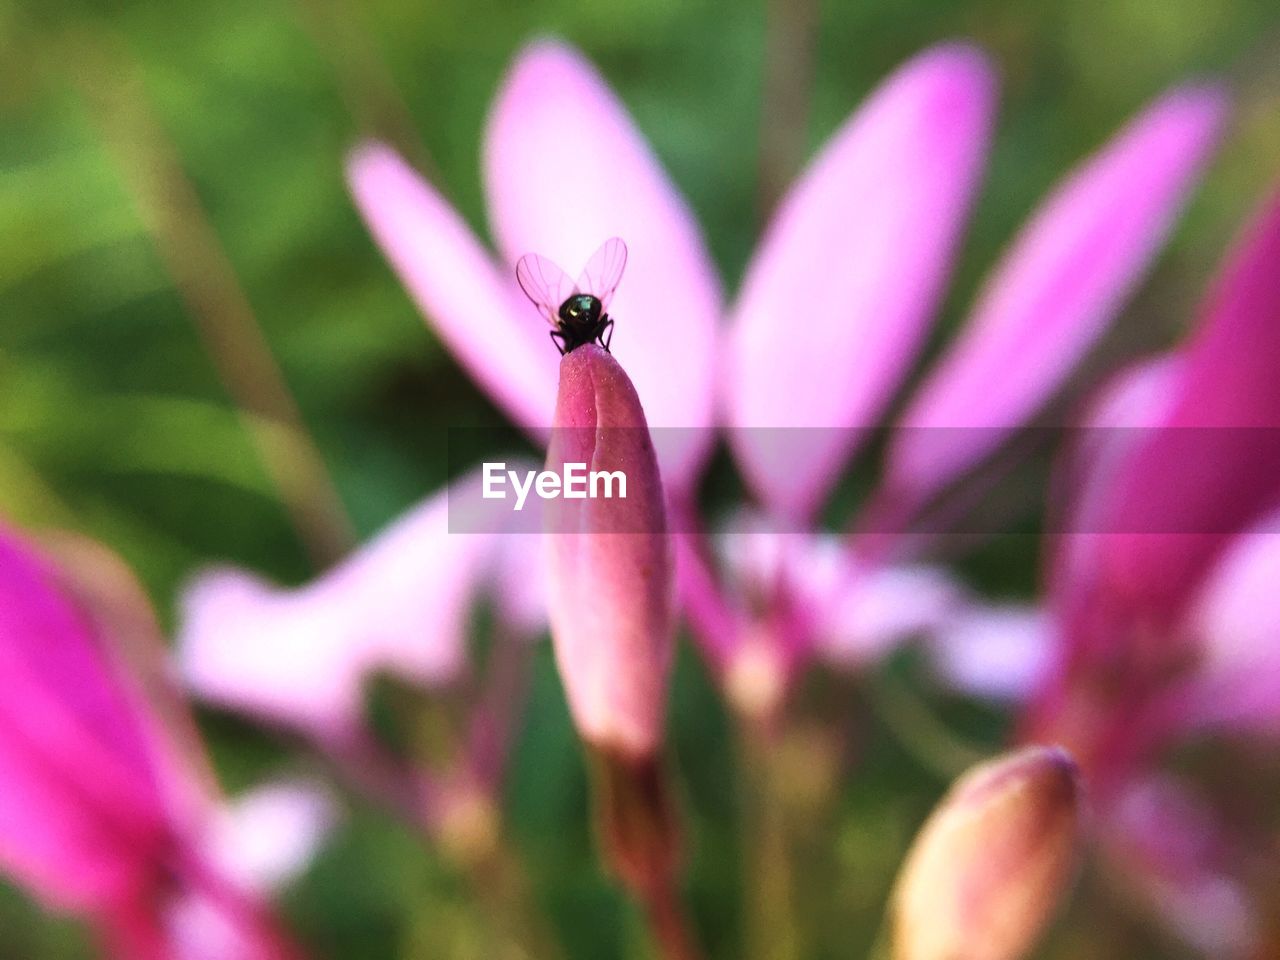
(609, 563)
(989, 867)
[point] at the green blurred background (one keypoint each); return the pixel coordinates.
(114, 421)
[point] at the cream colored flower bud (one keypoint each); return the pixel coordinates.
(990, 866)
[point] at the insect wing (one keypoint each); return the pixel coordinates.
(603, 271)
(545, 284)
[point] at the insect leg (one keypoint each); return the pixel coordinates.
(560, 343)
(606, 340)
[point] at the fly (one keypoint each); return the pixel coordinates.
(578, 311)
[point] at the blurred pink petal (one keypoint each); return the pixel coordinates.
(609, 563)
(882, 607)
(470, 302)
(1062, 282)
(712, 615)
(565, 168)
(197, 928)
(97, 806)
(264, 838)
(1236, 624)
(758, 556)
(1130, 405)
(838, 298)
(1000, 653)
(1123, 416)
(203, 924)
(300, 657)
(83, 820)
(1209, 472)
(519, 588)
(855, 613)
(1172, 850)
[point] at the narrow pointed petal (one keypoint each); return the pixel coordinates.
(1062, 282)
(838, 298)
(300, 657)
(610, 567)
(471, 304)
(565, 168)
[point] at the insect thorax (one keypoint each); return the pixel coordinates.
(581, 310)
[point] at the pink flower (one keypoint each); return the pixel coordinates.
(834, 309)
(609, 563)
(101, 813)
(1155, 582)
(1159, 624)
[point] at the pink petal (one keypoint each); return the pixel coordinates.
(1119, 419)
(266, 837)
(1236, 621)
(1211, 470)
(243, 643)
(883, 607)
(565, 168)
(470, 303)
(82, 818)
(610, 568)
(1000, 653)
(758, 556)
(1170, 846)
(1061, 284)
(837, 300)
(300, 657)
(52, 841)
(520, 583)
(857, 613)
(1123, 416)
(201, 924)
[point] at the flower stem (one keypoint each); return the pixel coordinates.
(668, 924)
(770, 925)
(640, 843)
(500, 886)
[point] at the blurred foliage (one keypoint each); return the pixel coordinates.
(114, 422)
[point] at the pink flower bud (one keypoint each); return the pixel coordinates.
(989, 867)
(610, 568)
